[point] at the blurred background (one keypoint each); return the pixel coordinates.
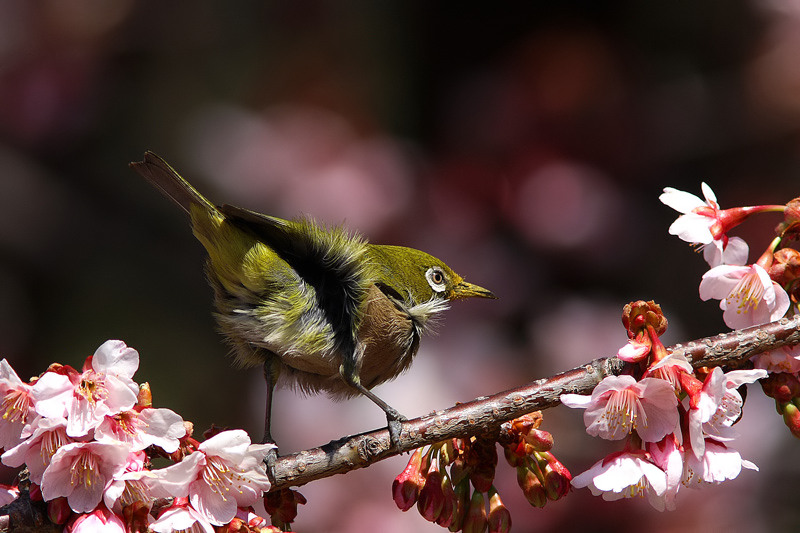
(526, 145)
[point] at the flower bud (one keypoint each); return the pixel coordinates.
(557, 479)
(406, 486)
(531, 486)
(145, 396)
(449, 508)
(541, 440)
(282, 505)
(482, 462)
(636, 316)
(476, 521)
(135, 517)
(461, 504)
(499, 518)
(791, 417)
(58, 510)
(431, 498)
(782, 386)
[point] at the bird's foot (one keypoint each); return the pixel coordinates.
(395, 425)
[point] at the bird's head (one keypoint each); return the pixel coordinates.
(417, 277)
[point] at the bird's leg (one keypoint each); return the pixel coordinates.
(272, 455)
(393, 417)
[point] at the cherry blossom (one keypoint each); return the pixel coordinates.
(81, 472)
(225, 473)
(731, 251)
(620, 404)
(104, 388)
(717, 406)
(47, 435)
(747, 295)
(16, 406)
(783, 359)
(140, 429)
(101, 520)
(625, 474)
(182, 517)
(716, 464)
(699, 216)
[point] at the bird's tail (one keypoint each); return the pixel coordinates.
(164, 178)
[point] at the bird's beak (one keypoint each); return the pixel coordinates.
(467, 290)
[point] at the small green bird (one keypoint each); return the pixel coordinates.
(319, 308)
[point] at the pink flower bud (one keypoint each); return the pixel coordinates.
(58, 510)
(460, 505)
(499, 518)
(782, 386)
(482, 461)
(541, 440)
(556, 477)
(406, 486)
(431, 498)
(449, 507)
(476, 521)
(531, 486)
(791, 417)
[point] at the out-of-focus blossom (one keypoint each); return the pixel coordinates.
(747, 295)
(620, 404)
(81, 471)
(16, 406)
(784, 359)
(104, 388)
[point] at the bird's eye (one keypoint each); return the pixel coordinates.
(436, 279)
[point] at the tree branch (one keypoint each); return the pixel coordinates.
(485, 414)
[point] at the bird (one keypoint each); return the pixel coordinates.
(318, 308)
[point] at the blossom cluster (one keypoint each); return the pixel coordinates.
(676, 423)
(750, 294)
(457, 499)
(88, 439)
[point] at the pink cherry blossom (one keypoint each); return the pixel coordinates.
(182, 517)
(731, 251)
(783, 359)
(105, 388)
(716, 464)
(625, 474)
(140, 429)
(225, 473)
(81, 472)
(747, 295)
(16, 406)
(101, 520)
(717, 406)
(667, 454)
(698, 217)
(46, 436)
(620, 404)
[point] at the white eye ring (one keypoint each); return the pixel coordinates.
(436, 279)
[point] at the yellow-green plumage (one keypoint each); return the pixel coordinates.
(320, 308)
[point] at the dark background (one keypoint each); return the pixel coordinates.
(525, 144)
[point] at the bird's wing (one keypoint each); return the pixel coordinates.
(331, 261)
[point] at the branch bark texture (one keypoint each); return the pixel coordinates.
(484, 415)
